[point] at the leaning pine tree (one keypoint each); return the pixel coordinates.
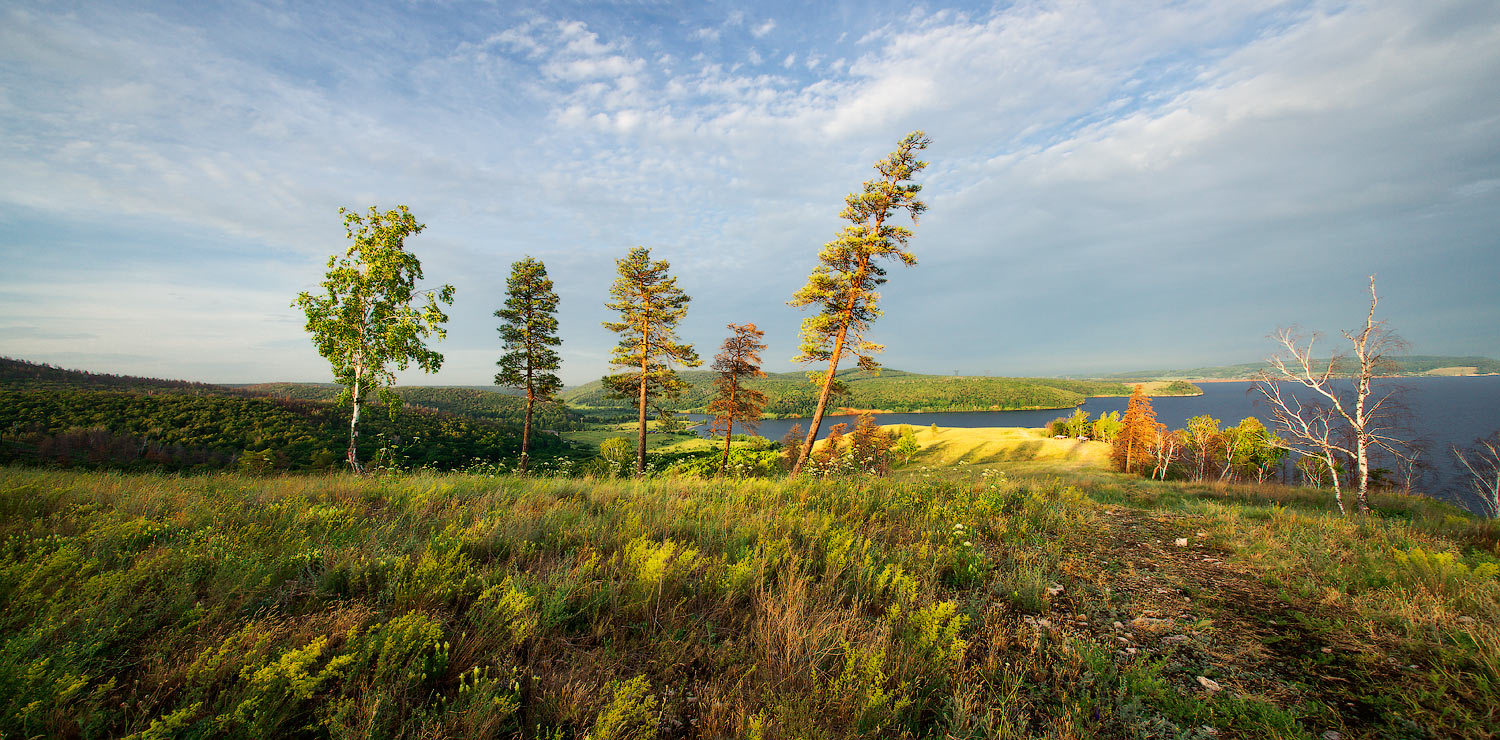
(529, 333)
(843, 284)
(365, 322)
(737, 361)
(650, 304)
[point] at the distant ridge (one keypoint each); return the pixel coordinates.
(1411, 365)
(791, 395)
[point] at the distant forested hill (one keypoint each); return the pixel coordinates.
(69, 418)
(471, 401)
(791, 394)
(1405, 365)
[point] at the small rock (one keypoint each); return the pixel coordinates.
(1175, 639)
(1466, 620)
(1117, 625)
(1182, 541)
(1209, 683)
(1054, 590)
(1327, 651)
(1331, 735)
(1131, 651)
(1043, 623)
(1200, 534)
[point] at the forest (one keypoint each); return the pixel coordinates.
(791, 395)
(54, 417)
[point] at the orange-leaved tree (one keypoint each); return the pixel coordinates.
(1134, 445)
(738, 360)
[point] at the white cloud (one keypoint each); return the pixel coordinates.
(1196, 148)
(761, 30)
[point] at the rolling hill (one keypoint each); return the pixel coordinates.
(791, 394)
(1406, 365)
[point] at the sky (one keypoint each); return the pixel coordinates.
(1111, 186)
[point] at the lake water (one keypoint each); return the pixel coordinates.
(1443, 412)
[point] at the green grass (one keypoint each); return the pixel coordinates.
(967, 601)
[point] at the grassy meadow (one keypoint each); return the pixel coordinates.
(976, 594)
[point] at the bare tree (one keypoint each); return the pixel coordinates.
(1164, 448)
(1357, 412)
(1483, 463)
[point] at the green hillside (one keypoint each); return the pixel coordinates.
(791, 394)
(51, 416)
(474, 402)
(1405, 365)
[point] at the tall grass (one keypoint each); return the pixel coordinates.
(477, 606)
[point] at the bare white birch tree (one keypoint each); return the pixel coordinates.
(1482, 461)
(1356, 412)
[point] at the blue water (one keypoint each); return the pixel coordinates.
(1442, 412)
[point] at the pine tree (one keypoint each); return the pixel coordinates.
(650, 304)
(1134, 443)
(738, 360)
(529, 333)
(843, 284)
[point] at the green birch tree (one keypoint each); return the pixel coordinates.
(528, 331)
(365, 323)
(843, 285)
(650, 304)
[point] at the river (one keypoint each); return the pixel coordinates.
(1442, 412)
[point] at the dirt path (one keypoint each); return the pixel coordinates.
(1178, 599)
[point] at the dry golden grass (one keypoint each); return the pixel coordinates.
(1013, 448)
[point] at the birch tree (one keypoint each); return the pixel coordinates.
(1482, 462)
(365, 323)
(650, 304)
(738, 360)
(529, 333)
(1355, 411)
(842, 286)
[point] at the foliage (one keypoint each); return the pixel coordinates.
(617, 452)
(738, 361)
(649, 304)
(870, 447)
(1137, 437)
(1107, 427)
(906, 446)
(528, 331)
(454, 606)
(365, 324)
(101, 429)
(480, 403)
(843, 285)
(789, 394)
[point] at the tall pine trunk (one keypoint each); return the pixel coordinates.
(833, 362)
(640, 444)
(729, 429)
(526, 427)
(817, 420)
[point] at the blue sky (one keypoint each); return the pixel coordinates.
(1113, 185)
